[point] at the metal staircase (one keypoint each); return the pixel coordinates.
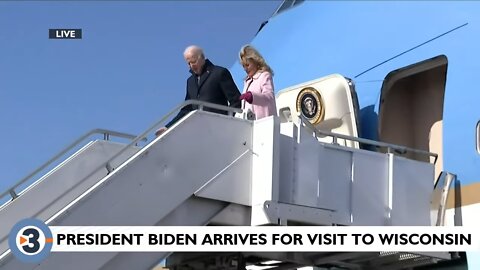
(45, 196)
(213, 169)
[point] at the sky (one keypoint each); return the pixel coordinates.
(125, 73)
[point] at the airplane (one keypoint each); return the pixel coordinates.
(376, 44)
(392, 81)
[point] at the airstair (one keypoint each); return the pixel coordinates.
(43, 198)
(213, 169)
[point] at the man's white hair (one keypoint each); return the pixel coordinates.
(194, 50)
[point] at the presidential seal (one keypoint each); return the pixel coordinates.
(310, 105)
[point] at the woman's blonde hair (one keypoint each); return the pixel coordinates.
(248, 52)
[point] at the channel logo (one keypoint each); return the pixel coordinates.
(30, 240)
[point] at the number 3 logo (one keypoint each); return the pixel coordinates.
(30, 240)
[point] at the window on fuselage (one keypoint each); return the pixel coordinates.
(477, 135)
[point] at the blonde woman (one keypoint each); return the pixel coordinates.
(258, 92)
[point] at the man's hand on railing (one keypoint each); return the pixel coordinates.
(160, 131)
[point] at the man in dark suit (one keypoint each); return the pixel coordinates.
(208, 83)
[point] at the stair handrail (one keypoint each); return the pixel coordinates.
(156, 125)
(134, 142)
(443, 185)
(400, 149)
(106, 164)
(106, 136)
